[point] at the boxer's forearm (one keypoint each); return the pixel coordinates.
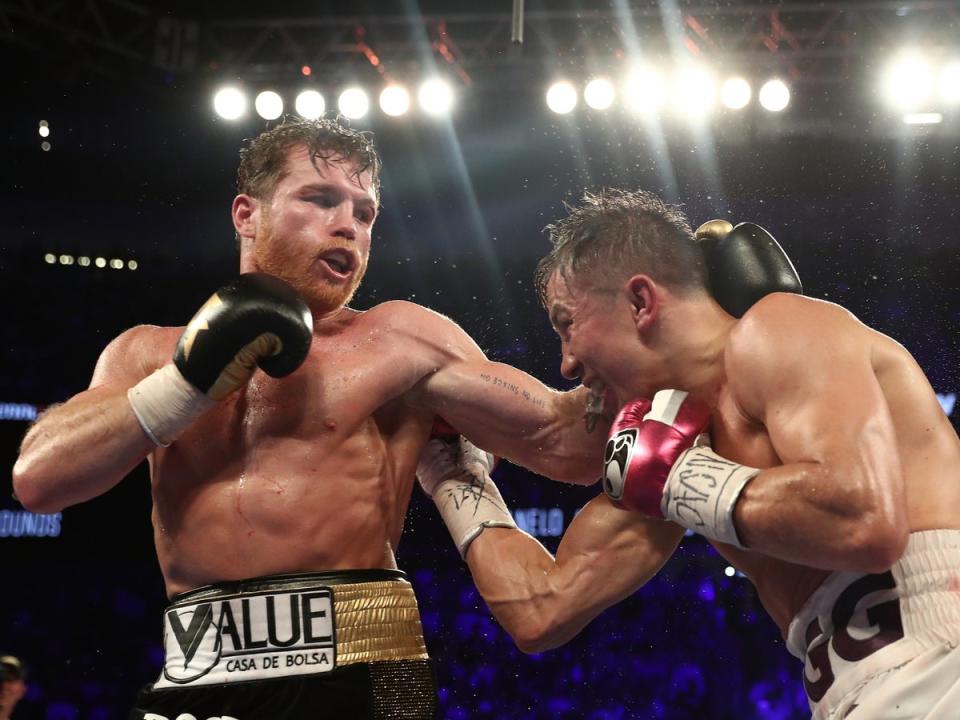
(522, 586)
(79, 450)
(823, 516)
(605, 555)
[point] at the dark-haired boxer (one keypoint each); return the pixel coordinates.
(831, 481)
(283, 430)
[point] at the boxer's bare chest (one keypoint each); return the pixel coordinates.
(329, 410)
(782, 586)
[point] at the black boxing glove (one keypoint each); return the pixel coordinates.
(255, 320)
(744, 263)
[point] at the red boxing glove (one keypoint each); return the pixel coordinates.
(647, 438)
(442, 429)
(658, 461)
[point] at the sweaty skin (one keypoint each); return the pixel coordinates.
(856, 451)
(313, 471)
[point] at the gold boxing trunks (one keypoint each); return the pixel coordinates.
(287, 625)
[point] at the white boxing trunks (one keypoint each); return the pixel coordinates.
(886, 645)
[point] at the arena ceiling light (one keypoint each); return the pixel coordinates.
(949, 84)
(599, 93)
(735, 93)
(44, 129)
(394, 100)
(643, 90)
(922, 118)
(435, 97)
(908, 81)
(310, 104)
(774, 95)
(230, 103)
(562, 97)
(354, 103)
(269, 105)
(694, 91)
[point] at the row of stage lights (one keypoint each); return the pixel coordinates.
(86, 261)
(910, 84)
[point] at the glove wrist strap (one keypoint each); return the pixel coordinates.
(165, 404)
(468, 504)
(701, 493)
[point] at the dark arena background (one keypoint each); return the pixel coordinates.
(118, 174)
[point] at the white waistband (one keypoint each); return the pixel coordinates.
(857, 625)
(926, 581)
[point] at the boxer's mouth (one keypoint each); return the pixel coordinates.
(340, 261)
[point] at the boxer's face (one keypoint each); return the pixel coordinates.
(599, 342)
(315, 230)
(11, 693)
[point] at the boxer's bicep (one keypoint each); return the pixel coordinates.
(808, 379)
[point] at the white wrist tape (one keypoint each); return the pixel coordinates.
(702, 491)
(456, 476)
(165, 404)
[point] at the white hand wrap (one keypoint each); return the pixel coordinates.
(166, 403)
(456, 475)
(701, 492)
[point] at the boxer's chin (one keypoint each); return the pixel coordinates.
(325, 297)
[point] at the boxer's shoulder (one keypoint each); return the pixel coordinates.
(418, 323)
(785, 323)
(135, 353)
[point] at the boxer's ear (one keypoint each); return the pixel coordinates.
(246, 215)
(643, 295)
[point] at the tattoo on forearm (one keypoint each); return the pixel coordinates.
(516, 390)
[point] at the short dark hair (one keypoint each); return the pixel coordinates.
(622, 232)
(263, 161)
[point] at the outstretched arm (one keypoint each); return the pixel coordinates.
(504, 409)
(605, 555)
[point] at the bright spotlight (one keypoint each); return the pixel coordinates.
(230, 103)
(50, 259)
(66, 259)
(562, 97)
(269, 105)
(310, 104)
(729, 571)
(45, 146)
(735, 93)
(774, 95)
(83, 261)
(694, 91)
(922, 118)
(44, 131)
(950, 82)
(643, 90)
(132, 265)
(353, 103)
(599, 93)
(100, 262)
(908, 82)
(435, 97)
(116, 264)
(394, 100)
